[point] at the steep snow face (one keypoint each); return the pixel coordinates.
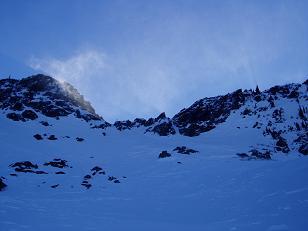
(68, 173)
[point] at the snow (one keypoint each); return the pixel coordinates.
(212, 189)
(209, 190)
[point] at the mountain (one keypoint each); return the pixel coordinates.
(231, 162)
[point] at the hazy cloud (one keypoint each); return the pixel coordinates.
(148, 58)
(116, 87)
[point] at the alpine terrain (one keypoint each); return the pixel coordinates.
(232, 162)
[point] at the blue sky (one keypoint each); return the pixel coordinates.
(139, 58)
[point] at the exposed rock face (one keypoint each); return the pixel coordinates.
(43, 94)
(34, 96)
(160, 125)
(164, 129)
(204, 114)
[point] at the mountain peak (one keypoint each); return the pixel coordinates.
(44, 94)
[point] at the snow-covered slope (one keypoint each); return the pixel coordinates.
(75, 171)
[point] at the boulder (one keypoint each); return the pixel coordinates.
(38, 137)
(79, 139)
(52, 137)
(164, 154)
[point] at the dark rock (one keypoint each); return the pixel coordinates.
(97, 169)
(258, 90)
(38, 137)
(87, 185)
(24, 165)
(271, 101)
(45, 123)
(79, 139)
(18, 106)
(52, 137)
(29, 114)
(54, 186)
(116, 181)
(164, 154)
(258, 98)
(111, 178)
(164, 129)
(52, 111)
(293, 95)
(57, 163)
(254, 154)
(243, 155)
(184, 150)
(259, 155)
(102, 126)
(282, 145)
(206, 113)
(123, 125)
(160, 117)
(278, 115)
(283, 90)
(301, 114)
(15, 117)
(195, 129)
(24, 170)
(246, 111)
(87, 177)
(13, 174)
(2, 185)
(40, 172)
(59, 99)
(303, 149)
(60, 173)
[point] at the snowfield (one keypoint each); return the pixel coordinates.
(67, 169)
(209, 190)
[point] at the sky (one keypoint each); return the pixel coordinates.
(133, 58)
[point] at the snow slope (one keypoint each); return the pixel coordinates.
(213, 189)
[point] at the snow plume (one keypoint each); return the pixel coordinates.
(117, 88)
